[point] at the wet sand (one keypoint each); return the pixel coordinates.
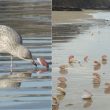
(80, 22)
(92, 42)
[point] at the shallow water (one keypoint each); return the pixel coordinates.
(26, 88)
(93, 42)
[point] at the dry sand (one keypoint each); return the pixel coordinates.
(71, 16)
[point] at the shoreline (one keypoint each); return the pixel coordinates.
(73, 26)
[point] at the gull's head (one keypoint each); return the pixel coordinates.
(24, 53)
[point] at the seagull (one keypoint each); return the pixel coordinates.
(11, 42)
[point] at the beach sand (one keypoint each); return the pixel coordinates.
(71, 16)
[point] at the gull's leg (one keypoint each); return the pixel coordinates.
(11, 65)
